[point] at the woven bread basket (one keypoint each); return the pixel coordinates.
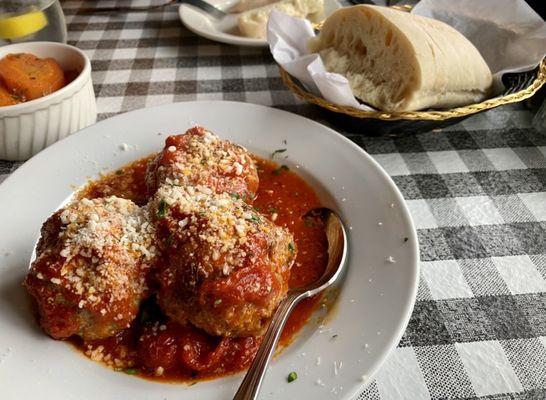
(518, 87)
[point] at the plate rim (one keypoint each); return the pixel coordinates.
(223, 38)
(415, 262)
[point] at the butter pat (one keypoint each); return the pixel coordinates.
(253, 23)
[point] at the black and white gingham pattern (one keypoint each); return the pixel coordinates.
(477, 193)
(141, 60)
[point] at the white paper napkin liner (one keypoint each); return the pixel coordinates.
(287, 37)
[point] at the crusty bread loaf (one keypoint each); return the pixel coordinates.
(397, 61)
(253, 23)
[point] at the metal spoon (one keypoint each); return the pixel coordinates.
(201, 4)
(337, 253)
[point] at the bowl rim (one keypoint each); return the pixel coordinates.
(432, 115)
(49, 98)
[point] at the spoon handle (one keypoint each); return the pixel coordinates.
(253, 379)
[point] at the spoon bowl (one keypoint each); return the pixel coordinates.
(337, 254)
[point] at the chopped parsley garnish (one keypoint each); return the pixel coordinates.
(217, 302)
(130, 371)
(279, 151)
(255, 219)
(291, 247)
(272, 209)
(257, 208)
(238, 196)
(162, 209)
(145, 316)
(292, 376)
(280, 169)
(309, 222)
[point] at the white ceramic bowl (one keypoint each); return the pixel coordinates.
(27, 128)
(371, 312)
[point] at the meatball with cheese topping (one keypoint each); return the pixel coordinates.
(226, 266)
(199, 157)
(89, 275)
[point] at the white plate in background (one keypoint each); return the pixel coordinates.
(225, 30)
(376, 297)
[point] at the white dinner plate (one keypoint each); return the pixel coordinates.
(376, 297)
(225, 30)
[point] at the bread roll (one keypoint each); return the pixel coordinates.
(253, 23)
(397, 61)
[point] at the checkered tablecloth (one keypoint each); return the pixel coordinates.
(477, 193)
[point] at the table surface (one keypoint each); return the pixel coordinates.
(476, 191)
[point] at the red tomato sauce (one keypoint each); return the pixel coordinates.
(154, 347)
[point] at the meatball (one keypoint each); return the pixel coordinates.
(226, 266)
(199, 157)
(89, 275)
